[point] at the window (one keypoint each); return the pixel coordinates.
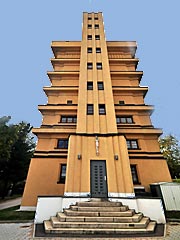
(97, 37)
(134, 174)
(89, 18)
(99, 66)
(62, 177)
(98, 50)
(89, 85)
(124, 119)
(90, 109)
(89, 50)
(102, 110)
(100, 86)
(89, 66)
(89, 37)
(96, 26)
(69, 102)
(68, 119)
(132, 144)
(89, 26)
(95, 18)
(121, 102)
(62, 143)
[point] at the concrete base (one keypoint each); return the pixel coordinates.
(151, 207)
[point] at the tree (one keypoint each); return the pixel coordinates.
(169, 146)
(16, 150)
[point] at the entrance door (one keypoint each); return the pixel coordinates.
(98, 179)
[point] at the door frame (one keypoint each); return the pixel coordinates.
(105, 179)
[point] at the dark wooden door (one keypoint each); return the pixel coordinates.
(98, 179)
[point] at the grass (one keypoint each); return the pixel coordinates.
(177, 180)
(12, 214)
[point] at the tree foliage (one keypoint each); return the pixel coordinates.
(16, 150)
(169, 146)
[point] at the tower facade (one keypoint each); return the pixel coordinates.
(96, 137)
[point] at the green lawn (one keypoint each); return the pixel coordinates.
(12, 214)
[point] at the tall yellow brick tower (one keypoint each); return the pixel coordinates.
(96, 137)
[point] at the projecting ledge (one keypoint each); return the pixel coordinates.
(157, 131)
(52, 130)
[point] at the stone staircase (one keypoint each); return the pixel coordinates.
(99, 218)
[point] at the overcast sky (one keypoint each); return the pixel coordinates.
(28, 27)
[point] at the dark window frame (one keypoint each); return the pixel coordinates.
(62, 175)
(89, 18)
(89, 26)
(89, 65)
(132, 144)
(122, 102)
(96, 18)
(97, 37)
(67, 119)
(89, 37)
(90, 109)
(62, 143)
(69, 102)
(89, 50)
(134, 174)
(89, 85)
(100, 85)
(98, 50)
(124, 120)
(99, 66)
(96, 26)
(102, 109)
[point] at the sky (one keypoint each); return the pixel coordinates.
(27, 29)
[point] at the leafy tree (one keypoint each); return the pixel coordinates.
(169, 146)
(16, 150)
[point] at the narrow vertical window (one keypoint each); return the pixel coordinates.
(100, 85)
(89, 85)
(89, 26)
(102, 109)
(134, 174)
(90, 109)
(62, 177)
(96, 26)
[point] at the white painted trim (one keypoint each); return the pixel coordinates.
(126, 195)
(77, 194)
(27, 208)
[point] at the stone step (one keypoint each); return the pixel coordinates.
(99, 204)
(127, 213)
(99, 209)
(141, 224)
(64, 218)
(49, 229)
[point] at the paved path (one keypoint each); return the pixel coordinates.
(23, 231)
(15, 231)
(10, 203)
